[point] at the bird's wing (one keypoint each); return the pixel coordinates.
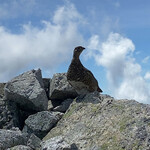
(93, 80)
(91, 77)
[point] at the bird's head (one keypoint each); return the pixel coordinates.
(77, 51)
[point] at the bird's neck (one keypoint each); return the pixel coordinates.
(76, 56)
(76, 61)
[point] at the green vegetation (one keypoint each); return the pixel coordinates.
(123, 124)
(70, 111)
(105, 146)
(119, 107)
(95, 108)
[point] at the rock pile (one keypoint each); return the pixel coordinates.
(47, 114)
(27, 90)
(2, 89)
(24, 106)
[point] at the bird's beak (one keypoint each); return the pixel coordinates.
(83, 48)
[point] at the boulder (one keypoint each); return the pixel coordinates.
(20, 147)
(2, 89)
(11, 138)
(9, 115)
(27, 90)
(98, 121)
(56, 143)
(41, 123)
(34, 142)
(60, 89)
(46, 82)
(63, 106)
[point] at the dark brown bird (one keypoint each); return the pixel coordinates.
(79, 77)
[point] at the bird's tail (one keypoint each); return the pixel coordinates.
(99, 90)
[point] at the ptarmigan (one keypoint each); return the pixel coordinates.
(79, 77)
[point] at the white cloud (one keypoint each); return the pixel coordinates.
(94, 42)
(67, 14)
(44, 47)
(147, 76)
(112, 55)
(146, 59)
(133, 85)
(134, 88)
(123, 73)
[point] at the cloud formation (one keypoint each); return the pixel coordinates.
(123, 73)
(51, 44)
(45, 47)
(147, 76)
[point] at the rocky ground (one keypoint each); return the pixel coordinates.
(48, 114)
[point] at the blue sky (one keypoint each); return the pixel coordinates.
(43, 33)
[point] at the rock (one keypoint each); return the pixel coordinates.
(9, 115)
(63, 106)
(2, 89)
(50, 105)
(27, 91)
(34, 142)
(11, 138)
(60, 89)
(56, 143)
(46, 82)
(20, 147)
(41, 123)
(100, 122)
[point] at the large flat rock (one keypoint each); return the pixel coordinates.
(27, 90)
(100, 122)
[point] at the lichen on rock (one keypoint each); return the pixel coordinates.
(109, 124)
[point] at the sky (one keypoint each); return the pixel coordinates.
(43, 33)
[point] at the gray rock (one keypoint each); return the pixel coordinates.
(41, 123)
(98, 121)
(11, 138)
(2, 89)
(60, 89)
(28, 91)
(34, 142)
(63, 106)
(9, 115)
(20, 147)
(50, 105)
(46, 82)
(56, 143)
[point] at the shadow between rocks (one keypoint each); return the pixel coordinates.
(74, 147)
(94, 98)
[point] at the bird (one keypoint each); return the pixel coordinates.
(80, 77)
